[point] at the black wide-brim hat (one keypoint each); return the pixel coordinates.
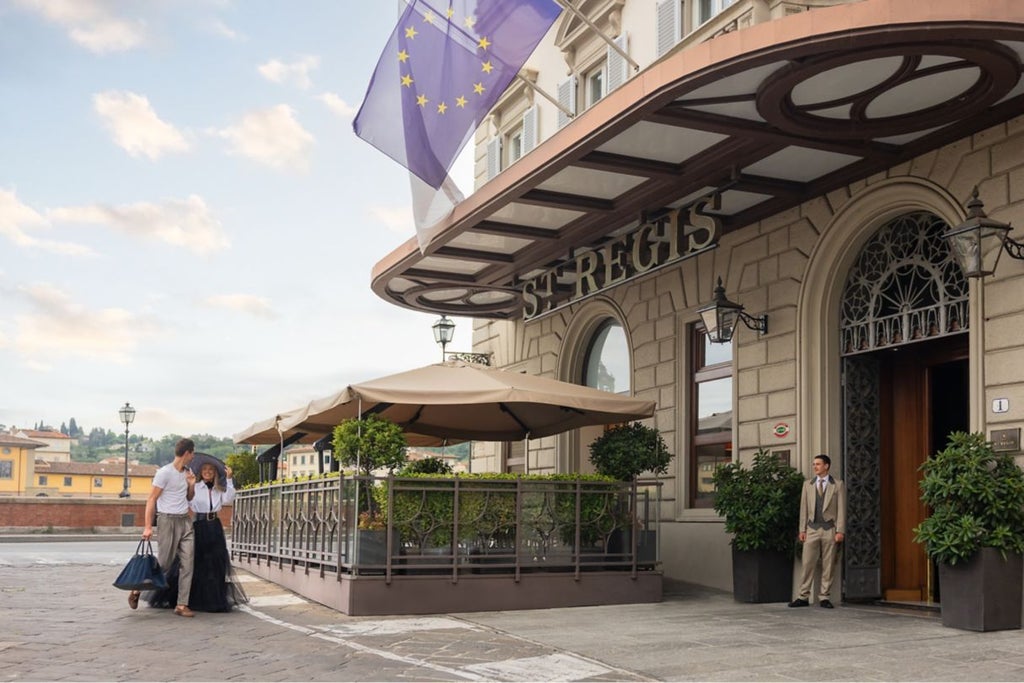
(200, 459)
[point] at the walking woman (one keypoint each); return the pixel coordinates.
(215, 587)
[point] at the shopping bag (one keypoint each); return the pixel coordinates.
(142, 573)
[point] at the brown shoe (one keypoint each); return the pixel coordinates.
(133, 599)
(184, 611)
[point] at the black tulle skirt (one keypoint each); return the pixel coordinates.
(215, 585)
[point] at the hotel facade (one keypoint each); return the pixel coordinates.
(808, 156)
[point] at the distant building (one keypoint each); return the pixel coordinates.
(16, 463)
(57, 446)
(301, 461)
(91, 479)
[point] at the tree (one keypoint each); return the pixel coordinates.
(245, 469)
(372, 443)
(625, 451)
(64, 429)
(74, 431)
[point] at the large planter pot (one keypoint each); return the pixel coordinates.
(373, 551)
(984, 593)
(761, 576)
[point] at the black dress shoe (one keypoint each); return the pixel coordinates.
(827, 604)
(799, 602)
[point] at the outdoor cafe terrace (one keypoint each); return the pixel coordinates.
(430, 544)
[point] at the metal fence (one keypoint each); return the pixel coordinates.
(443, 525)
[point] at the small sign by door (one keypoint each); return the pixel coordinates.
(1000, 405)
(1005, 440)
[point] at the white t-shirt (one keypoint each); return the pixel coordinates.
(174, 499)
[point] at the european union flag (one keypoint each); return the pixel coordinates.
(446, 64)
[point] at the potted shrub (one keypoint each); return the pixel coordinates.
(761, 506)
(624, 452)
(975, 532)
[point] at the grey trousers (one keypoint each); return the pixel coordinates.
(176, 539)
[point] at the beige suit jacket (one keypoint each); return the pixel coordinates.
(833, 507)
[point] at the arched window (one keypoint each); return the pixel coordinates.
(607, 360)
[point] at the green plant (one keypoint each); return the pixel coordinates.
(369, 444)
(244, 469)
(372, 521)
(976, 498)
(429, 465)
(625, 451)
(761, 504)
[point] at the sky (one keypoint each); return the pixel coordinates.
(187, 221)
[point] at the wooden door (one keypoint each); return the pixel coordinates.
(923, 397)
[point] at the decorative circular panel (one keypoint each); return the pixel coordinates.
(886, 91)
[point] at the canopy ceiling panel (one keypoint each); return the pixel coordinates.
(767, 116)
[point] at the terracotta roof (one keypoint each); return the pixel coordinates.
(95, 468)
(11, 440)
(34, 434)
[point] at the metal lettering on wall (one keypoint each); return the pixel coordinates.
(678, 234)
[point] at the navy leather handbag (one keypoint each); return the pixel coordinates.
(142, 573)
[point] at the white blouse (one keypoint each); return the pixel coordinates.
(211, 499)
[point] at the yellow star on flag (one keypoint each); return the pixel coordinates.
(422, 100)
(469, 22)
(429, 17)
(406, 80)
(487, 67)
(460, 101)
(478, 88)
(410, 32)
(403, 56)
(450, 12)
(442, 108)
(483, 43)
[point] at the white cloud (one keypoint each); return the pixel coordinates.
(91, 23)
(243, 303)
(337, 105)
(57, 328)
(296, 73)
(218, 27)
(272, 137)
(185, 223)
(395, 219)
(17, 220)
(136, 127)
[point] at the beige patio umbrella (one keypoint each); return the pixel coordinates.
(465, 401)
(265, 432)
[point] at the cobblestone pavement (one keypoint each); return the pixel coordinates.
(65, 622)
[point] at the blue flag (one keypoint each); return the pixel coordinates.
(446, 64)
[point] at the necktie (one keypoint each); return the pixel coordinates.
(821, 486)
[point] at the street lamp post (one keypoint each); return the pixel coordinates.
(444, 330)
(127, 414)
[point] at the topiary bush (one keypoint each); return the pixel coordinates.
(625, 451)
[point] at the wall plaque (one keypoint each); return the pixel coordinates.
(1005, 440)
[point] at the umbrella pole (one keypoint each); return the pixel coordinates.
(526, 453)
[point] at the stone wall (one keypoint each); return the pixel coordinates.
(32, 515)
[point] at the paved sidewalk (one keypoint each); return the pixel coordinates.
(67, 623)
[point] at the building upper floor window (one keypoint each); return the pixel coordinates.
(97, 482)
(6, 469)
(67, 481)
(42, 480)
(704, 10)
(595, 84)
(7, 451)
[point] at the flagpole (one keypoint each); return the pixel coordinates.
(533, 86)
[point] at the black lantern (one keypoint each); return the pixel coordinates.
(721, 315)
(978, 242)
(444, 331)
(127, 414)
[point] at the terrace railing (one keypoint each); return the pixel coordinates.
(452, 526)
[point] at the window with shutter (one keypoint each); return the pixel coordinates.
(618, 67)
(669, 24)
(530, 129)
(566, 98)
(493, 157)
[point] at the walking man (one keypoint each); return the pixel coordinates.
(822, 529)
(173, 488)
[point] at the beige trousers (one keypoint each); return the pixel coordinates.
(820, 545)
(176, 539)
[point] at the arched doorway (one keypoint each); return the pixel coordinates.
(905, 386)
